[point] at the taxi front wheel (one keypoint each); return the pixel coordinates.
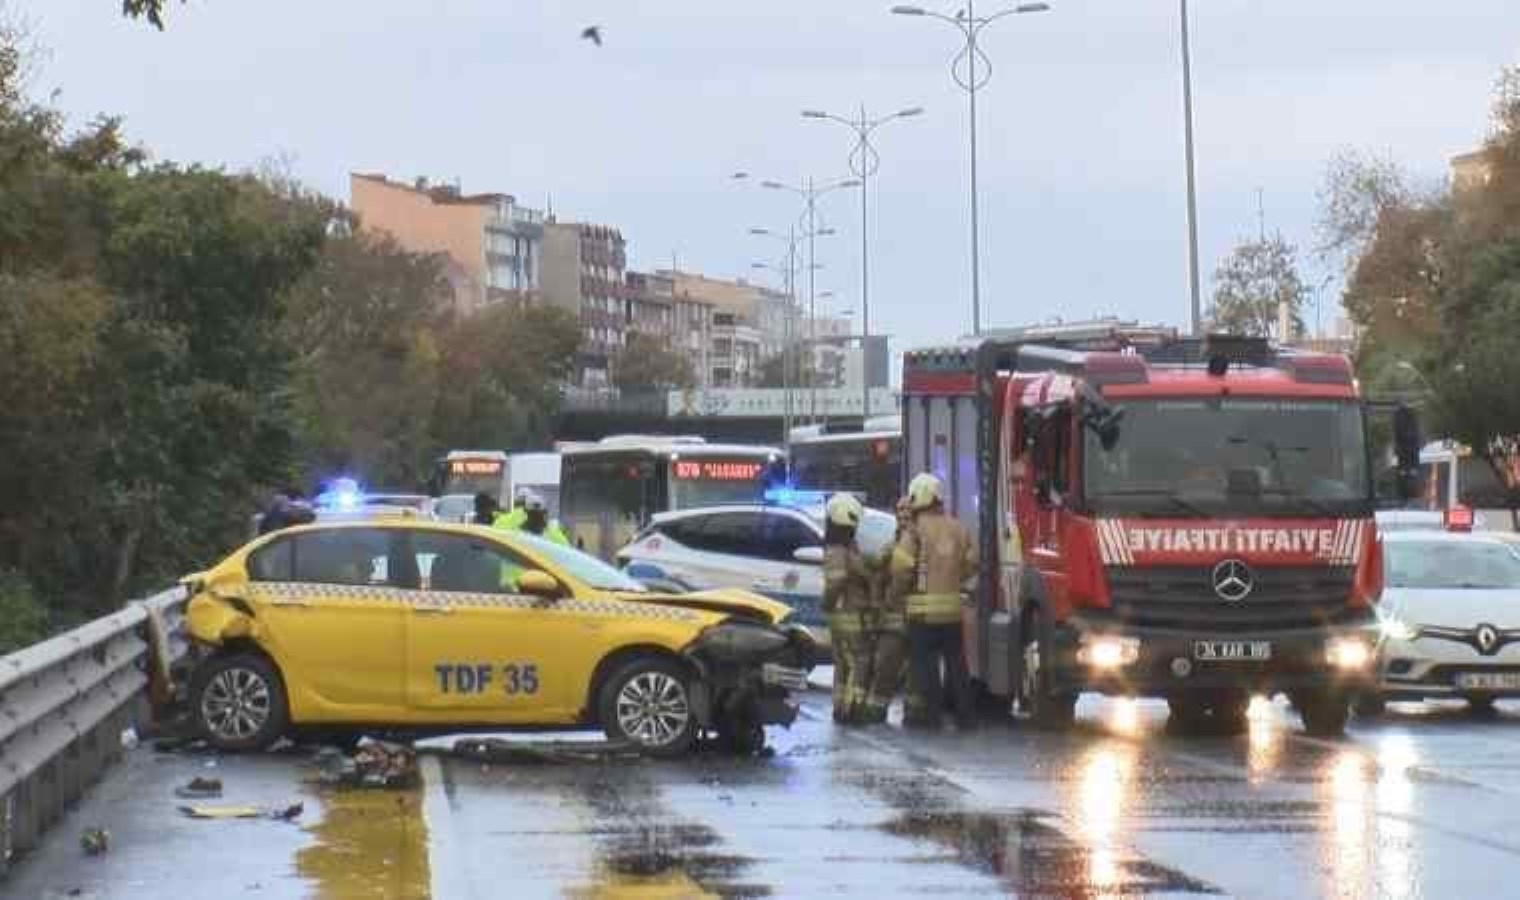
(647, 703)
(239, 702)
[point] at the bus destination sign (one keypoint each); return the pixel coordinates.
(475, 467)
(717, 470)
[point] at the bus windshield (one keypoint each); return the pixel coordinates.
(870, 463)
(714, 480)
(1228, 456)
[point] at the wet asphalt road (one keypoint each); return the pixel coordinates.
(1424, 802)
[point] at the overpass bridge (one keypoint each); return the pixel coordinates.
(737, 415)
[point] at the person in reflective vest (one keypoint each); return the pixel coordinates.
(533, 518)
(887, 636)
(847, 583)
(932, 566)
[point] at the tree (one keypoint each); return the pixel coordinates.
(502, 369)
(1253, 283)
(364, 326)
(643, 364)
(787, 367)
(152, 10)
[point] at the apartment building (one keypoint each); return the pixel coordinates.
(584, 272)
(492, 244)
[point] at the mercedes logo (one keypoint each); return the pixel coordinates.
(1232, 580)
(1487, 636)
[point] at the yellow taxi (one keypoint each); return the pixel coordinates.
(418, 627)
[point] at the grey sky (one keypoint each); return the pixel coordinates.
(1081, 126)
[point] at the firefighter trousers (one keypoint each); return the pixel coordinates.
(852, 665)
(937, 664)
(889, 659)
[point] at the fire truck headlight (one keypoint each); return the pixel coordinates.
(1348, 653)
(1103, 652)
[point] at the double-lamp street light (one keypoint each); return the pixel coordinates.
(977, 72)
(811, 192)
(864, 161)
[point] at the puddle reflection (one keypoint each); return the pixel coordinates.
(1032, 858)
(369, 843)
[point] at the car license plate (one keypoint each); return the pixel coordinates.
(1232, 651)
(1489, 681)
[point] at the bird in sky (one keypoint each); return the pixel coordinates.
(593, 34)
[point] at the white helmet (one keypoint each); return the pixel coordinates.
(532, 501)
(845, 510)
(924, 491)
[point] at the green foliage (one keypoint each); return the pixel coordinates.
(643, 364)
(151, 10)
(1435, 285)
(23, 618)
(1252, 283)
(174, 341)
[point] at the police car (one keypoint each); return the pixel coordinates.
(418, 627)
(1449, 618)
(775, 549)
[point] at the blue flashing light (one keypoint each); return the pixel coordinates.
(342, 493)
(794, 497)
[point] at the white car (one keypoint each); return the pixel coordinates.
(1450, 618)
(773, 550)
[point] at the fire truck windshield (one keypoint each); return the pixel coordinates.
(1231, 456)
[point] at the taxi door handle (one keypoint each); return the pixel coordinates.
(761, 584)
(297, 604)
(435, 610)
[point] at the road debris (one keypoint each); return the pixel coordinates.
(502, 752)
(199, 789)
(222, 812)
(280, 813)
(95, 841)
(376, 764)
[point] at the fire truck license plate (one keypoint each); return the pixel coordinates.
(1232, 651)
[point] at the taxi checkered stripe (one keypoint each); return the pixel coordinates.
(295, 590)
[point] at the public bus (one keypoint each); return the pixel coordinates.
(609, 489)
(462, 474)
(471, 472)
(867, 460)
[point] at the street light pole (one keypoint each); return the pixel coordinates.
(1192, 194)
(864, 161)
(810, 191)
(978, 73)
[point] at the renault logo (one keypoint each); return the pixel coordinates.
(1232, 580)
(1488, 638)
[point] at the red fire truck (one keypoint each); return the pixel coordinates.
(1156, 516)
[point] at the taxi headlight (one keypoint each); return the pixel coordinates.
(740, 641)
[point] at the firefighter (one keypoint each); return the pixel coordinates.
(932, 565)
(847, 582)
(887, 636)
(533, 518)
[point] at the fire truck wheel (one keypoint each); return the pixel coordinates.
(1042, 705)
(1324, 712)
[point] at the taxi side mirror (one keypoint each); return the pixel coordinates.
(811, 555)
(538, 584)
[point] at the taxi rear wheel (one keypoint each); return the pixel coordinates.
(239, 702)
(647, 704)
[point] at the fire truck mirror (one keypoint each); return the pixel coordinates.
(1406, 437)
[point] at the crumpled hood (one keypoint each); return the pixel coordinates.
(733, 601)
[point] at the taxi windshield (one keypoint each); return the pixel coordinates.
(587, 569)
(1470, 565)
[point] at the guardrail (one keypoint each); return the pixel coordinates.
(64, 704)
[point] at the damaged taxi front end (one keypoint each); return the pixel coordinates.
(751, 662)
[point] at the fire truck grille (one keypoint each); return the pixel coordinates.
(1184, 598)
